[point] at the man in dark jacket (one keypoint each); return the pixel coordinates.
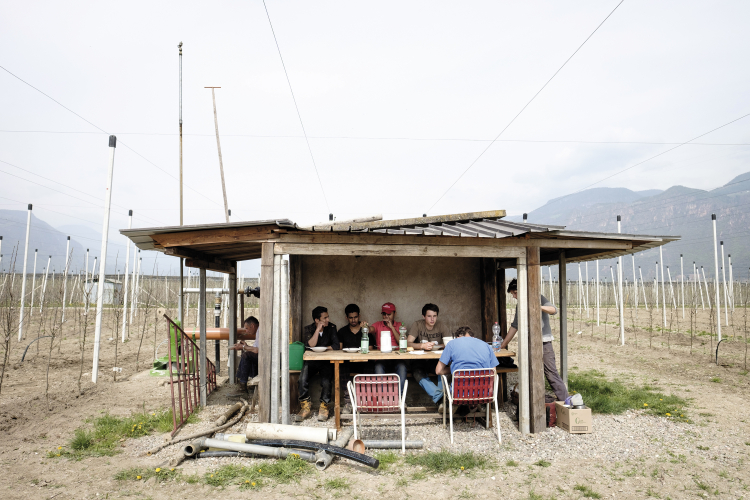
(320, 333)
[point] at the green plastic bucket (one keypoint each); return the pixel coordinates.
(175, 339)
(296, 351)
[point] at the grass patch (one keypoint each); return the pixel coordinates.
(542, 463)
(614, 397)
(703, 448)
(386, 459)
(716, 380)
(142, 474)
(278, 472)
(586, 491)
(443, 461)
(103, 435)
(418, 476)
(511, 463)
(339, 483)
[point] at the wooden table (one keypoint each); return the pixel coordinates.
(338, 357)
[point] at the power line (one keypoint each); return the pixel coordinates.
(98, 128)
(309, 148)
(525, 106)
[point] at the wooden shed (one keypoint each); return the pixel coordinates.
(457, 261)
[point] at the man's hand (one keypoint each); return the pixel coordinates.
(319, 326)
(427, 346)
(239, 346)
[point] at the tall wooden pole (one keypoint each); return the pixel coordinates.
(266, 326)
(218, 146)
(563, 278)
(537, 418)
(523, 347)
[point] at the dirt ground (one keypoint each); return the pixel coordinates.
(707, 456)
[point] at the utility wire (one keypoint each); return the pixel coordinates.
(98, 128)
(309, 148)
(525, 106)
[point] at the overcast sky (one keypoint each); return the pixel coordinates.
(397, 98)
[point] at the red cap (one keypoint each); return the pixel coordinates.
(388, 308)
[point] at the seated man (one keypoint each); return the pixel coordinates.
(388, 324)
(350, 336)
(425, 334)
(548, 356)
(465, 352)
(320, 333)
(248, 365)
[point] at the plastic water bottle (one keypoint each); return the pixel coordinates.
(496, 340)
(365, 345)
(402, 339)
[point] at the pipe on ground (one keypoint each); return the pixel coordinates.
(307, 445)
(267, 451)
(343, 438)
(322, 460)
(385, 444)
(294, 432)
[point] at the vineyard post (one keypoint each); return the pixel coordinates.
(716, 281)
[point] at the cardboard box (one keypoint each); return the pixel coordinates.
(573, 421)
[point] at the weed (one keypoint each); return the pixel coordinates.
(82, 440)
(443, 461)
(535, 496)
(703, 448)
(386, 459)
(418, 476)
(280, 472)
(723, 474)
(511, 463)
(542, 463)
(586, 491)
(402, 481)
(605, 396)
(651, 493)
(702, 485)
(716, 380)
(142, 473)
(339, 483)
(467, 494)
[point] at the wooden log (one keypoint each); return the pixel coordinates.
(219, 235)
(396, 250)
(266, 326)
(537, 413)
(295, 305)
(502, 309)
(488, 287)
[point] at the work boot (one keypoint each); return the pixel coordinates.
(306, 410)
(240, 391)
(323, 412)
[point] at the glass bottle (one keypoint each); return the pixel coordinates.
(402, 339)
(365, 345)
(496, 340)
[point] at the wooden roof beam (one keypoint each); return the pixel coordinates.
(201, 260)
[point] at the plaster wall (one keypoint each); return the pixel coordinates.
(409, 282)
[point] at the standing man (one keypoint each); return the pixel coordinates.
(426, 334)
(350, 336)
(550, 367)
(389, 324)
(320, 333)
(248, 365)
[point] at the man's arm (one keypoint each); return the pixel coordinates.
(442, 369)
(549, 309)
(511, 333)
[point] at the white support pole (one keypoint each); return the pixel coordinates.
(33, 284)
(103, 262)
(682, 286)
(275, 338)
(731, 283)
(85, 276)
(65, 278)
(551, 286)
(125, 279)
(643, 288)
(580, 292)
(671, 289)
(705, 284)
(724, 279)
(132, 286)
(23, 283)
(716, 281)
(614, 286)
(285, 417)
(138, 278)
(44, 285)
(619, 286)
(523, 348)
(597, 292)
(656, 286)
(663, 291)
(586, 264)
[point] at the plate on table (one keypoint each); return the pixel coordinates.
(318, 349)
(351, 349)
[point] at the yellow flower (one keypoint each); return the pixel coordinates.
(247, 480)
(462, 468)
(153, 414)
(59, 447)
(212, 475)
(645, 404)
(682, 415)
(661, 400)
(172, 469)
(137, 477)
(158, 469)
(253, 484)
(58, 454)
(669, 414)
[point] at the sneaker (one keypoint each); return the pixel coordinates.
(440, 408)
(306, 410)
(241, 390)
(323, 411)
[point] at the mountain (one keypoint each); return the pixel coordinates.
(678, 211)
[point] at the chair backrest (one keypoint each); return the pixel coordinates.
(377, 393)
(473, 386)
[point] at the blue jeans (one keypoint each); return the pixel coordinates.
(400, 370)
(434, 391)
(248, 367)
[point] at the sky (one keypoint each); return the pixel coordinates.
(397, 99)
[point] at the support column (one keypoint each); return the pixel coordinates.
(232, 324)
(563, 312)
(488, 276)
(523, 348)
(266, 327)
(202, 327)
(502, 309)
(275, 334)
(537, 413)
(295, 304)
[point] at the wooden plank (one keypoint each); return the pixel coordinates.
(502, 309)
(211, 266)
(523, 347)
(563, 313)
(410, 239)
(537, 413)
(203, 365)
(232, 324)
(488, 287)
(295, 305)
(219, 235)
(394, 250)
(266, 326)
(396, 223)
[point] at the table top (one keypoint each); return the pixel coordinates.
(376, 355)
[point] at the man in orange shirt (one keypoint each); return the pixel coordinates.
(389, 324)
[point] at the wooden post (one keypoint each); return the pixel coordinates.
(502, 308)
(202, 327)
(563, 312)
(523, 348)
(295, 305)
(266, 327)
(231, 366)
(488, 277)
(537, 413)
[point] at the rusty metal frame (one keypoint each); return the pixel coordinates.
(185, 376)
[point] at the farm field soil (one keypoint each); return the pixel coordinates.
(706, 457)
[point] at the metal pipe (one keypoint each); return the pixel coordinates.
(387, 444)
(125, 279)
(284, 343)
(619, 288)
(33, 283)
(724, 280)
(256, 430)
(202, 325)
(344, 437)
(336, 450)
(217, 343)
(275, 334)
(663, 287)
(23, 281)
(716, 280)
(267, 451)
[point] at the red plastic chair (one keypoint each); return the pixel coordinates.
(378, 394)
(472, 387)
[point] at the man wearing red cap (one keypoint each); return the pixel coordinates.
(389, 324)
